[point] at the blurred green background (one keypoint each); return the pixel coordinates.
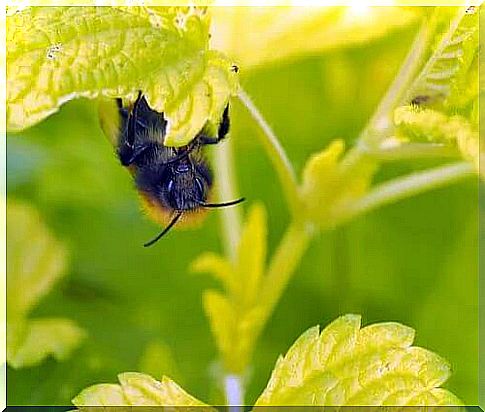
(414, 262)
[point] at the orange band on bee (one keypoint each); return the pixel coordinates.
(162, 215)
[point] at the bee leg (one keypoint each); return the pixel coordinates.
(128, 152)
(189, 148)
(126, 149)
(222, 131)
(123, 111)
(129, 155)
(225, 124)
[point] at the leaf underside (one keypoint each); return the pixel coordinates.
(446, 75)
(434, 126)
(56, 54)
(445, 92)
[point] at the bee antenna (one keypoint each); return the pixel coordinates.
(224, 204)
(164, 231)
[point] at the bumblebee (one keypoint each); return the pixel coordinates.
(171, 181)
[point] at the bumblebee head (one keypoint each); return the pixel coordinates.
(185, 187)
(179, 188)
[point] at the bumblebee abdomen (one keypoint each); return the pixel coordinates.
(173, 184)
(162, 214)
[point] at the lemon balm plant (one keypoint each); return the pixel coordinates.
(429, 111)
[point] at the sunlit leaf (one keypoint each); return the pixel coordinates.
(103, 394)
(218, 266)
(251, 257)
(349, 365)
(281, 33)
(327, 189)
(452, 68)
(136, 389)
(235, 317)
(35, 262)
(222, 318)
(430, 125)
(59, 53)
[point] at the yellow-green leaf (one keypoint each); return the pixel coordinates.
(103, 394)
(217, 266)
(59, 53)
(451, 74)
(349, 365)
(251, 254)
(136, 389)
(427, 124)
(31, 341)
(222, 318)
(328, 189)
(281, 33)
(36, 260)
(236, 317)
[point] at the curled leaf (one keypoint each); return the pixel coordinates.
(452, 65)
(328, 189)
(434, 126)
(56, 54)
(136, 389)
(349, 365)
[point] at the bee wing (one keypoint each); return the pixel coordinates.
(147, 122)
(110, 119)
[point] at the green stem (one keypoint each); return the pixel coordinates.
(380, 125)
(227, 190)
(283, 264)
(231, 233)
(410, 185)
(411, 151)
(298, 236)
(276, 154)
(381, 121)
